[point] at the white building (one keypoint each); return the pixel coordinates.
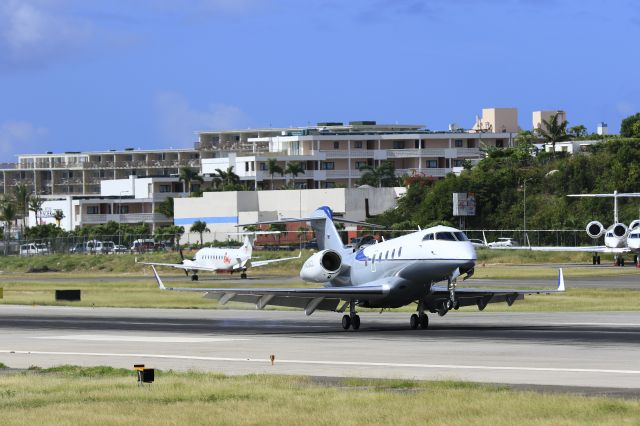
(132, 200)
(222, 211)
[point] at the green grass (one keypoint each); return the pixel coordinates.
(101, 395)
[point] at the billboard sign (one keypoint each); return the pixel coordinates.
(464, 204)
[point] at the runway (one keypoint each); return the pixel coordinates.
(585, 350)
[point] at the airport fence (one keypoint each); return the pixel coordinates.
(285, 240)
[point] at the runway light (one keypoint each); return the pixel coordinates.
(273, 359)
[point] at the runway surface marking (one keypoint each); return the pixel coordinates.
(154, 339)
(336, 363)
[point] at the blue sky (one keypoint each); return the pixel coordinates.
(84, 75)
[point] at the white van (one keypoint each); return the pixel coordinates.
(32, 249)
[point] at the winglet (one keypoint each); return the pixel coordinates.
(560, 280)
(160, 284)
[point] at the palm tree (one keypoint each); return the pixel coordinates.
(200, 227)
(273, 168)
(294, 169)
(553, 131)
(8, 214)
(578, 131)
(227, 178)
(188, 175)
(383, 175)
(21, 194)
(58, 215)
(35, 205)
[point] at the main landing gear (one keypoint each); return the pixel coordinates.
(194, 277)
(243, 275)
(420, 320)
(352, 319)
(595, 259)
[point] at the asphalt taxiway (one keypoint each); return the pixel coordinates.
(584, 350)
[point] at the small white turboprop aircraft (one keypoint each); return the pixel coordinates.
(222, 260)
(388, 274)
(618, 238)
(501, 242)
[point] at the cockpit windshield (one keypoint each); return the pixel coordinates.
(446, 236)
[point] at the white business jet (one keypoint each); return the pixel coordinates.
(222, 259)
(619, 239)
(388, 274)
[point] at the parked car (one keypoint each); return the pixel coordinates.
(91, 246)
(119, 248)
(141, 245)
(32, 249)
(105, 247)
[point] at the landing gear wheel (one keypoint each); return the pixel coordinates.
(243, 276)
(424, 321)
(414, 321)
(346, 322)
(622, 261)
(355, 322)
(194, 277)
(448, 305)
(597, 260)
(456, 305)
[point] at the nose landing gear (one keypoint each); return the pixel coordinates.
(420, 320)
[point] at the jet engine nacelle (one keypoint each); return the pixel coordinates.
(633, 225)
(619, 229)
(322, 266)
(595, 229)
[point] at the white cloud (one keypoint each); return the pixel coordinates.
(18, 137)
(32, 33)
(178, 120)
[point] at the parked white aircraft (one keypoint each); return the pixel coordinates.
(501, 242)
(618, 238)
(387, 274)
(222, 259)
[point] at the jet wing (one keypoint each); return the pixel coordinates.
(255, 264)
(467, 296)
(587, 249)
(310, 299)
(181, 266)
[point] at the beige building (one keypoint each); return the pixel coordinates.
(538, 116)
(80, 173)
(333, 154)
(502, 120)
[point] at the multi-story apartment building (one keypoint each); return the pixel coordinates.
(333, 154)
(80, 173)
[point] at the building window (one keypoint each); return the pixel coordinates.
(457, 163)
(253, 167)
(328, 165)
(357, 144)
(263, 166)
(165, 188)
(361, 164)
(124, 209)
(458, 143)
(432, 164)
(246, 166)
(93, 210)
(499, 143)
(398, 144)
(330, 185)
(471, 143)
(336, 145)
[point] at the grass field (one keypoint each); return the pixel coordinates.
(107, 396)
(111, 280)
(145, 293)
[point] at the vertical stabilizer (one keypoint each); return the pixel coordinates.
(326, 232)
(247, 247)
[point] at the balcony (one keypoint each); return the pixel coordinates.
(92, 219)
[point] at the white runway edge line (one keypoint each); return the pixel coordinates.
(336, 363)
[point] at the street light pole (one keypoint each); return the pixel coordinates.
(524, 212)
(120, 215)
